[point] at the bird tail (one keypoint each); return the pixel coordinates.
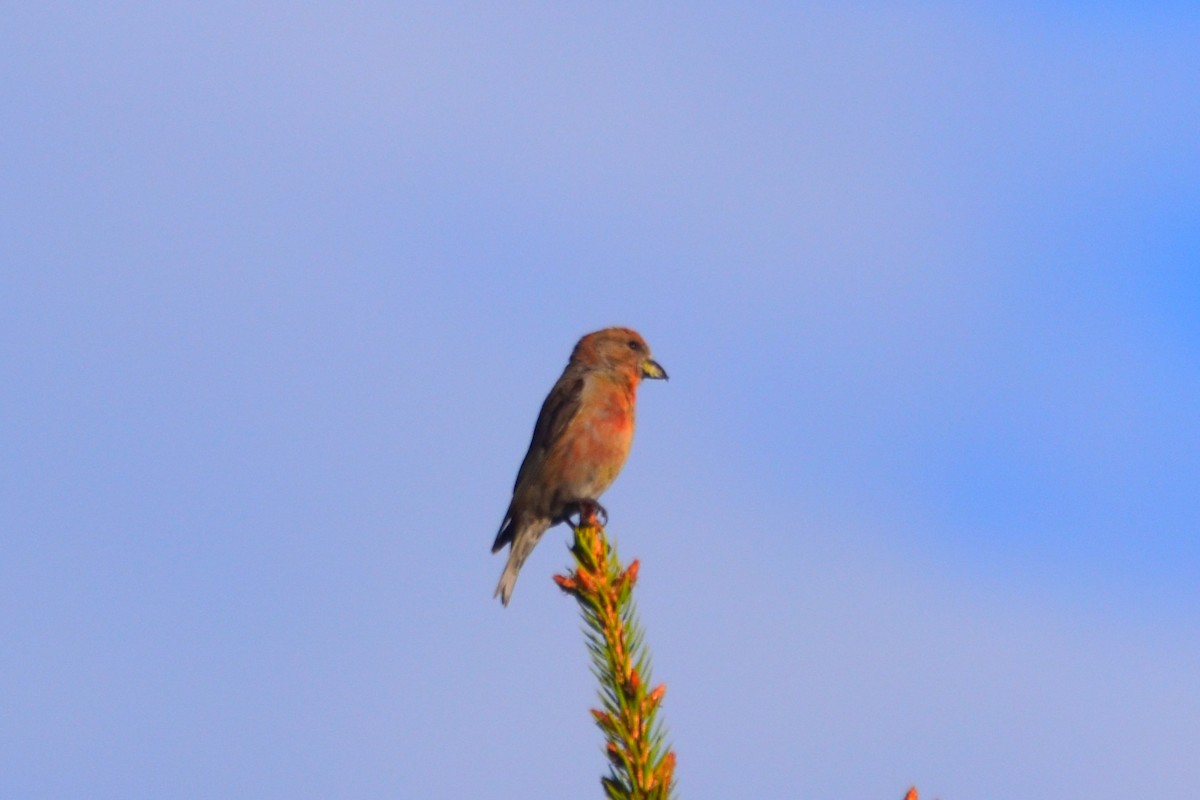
(523, 542)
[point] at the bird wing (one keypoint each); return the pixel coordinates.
(560, 407)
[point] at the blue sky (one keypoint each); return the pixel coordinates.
(285, 286)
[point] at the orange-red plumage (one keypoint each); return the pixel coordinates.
(580, 442)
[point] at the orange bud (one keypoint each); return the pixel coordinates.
(666, 769)
(912, 793)
(657, 694)
(604, 720)
(585, 582)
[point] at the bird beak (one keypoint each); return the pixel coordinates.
(652, 369)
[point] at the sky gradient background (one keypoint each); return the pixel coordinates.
(284, 287)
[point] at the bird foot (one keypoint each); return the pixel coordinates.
(592, 513)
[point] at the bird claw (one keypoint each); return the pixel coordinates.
(591, 512)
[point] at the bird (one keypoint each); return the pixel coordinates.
(580, 442)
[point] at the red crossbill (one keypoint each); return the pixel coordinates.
(580, 442)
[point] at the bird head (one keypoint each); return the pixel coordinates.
(621, 349)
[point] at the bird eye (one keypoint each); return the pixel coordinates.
(635, 345)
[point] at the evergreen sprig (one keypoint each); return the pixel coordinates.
(641, 764)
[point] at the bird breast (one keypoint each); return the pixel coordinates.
(603, 435)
